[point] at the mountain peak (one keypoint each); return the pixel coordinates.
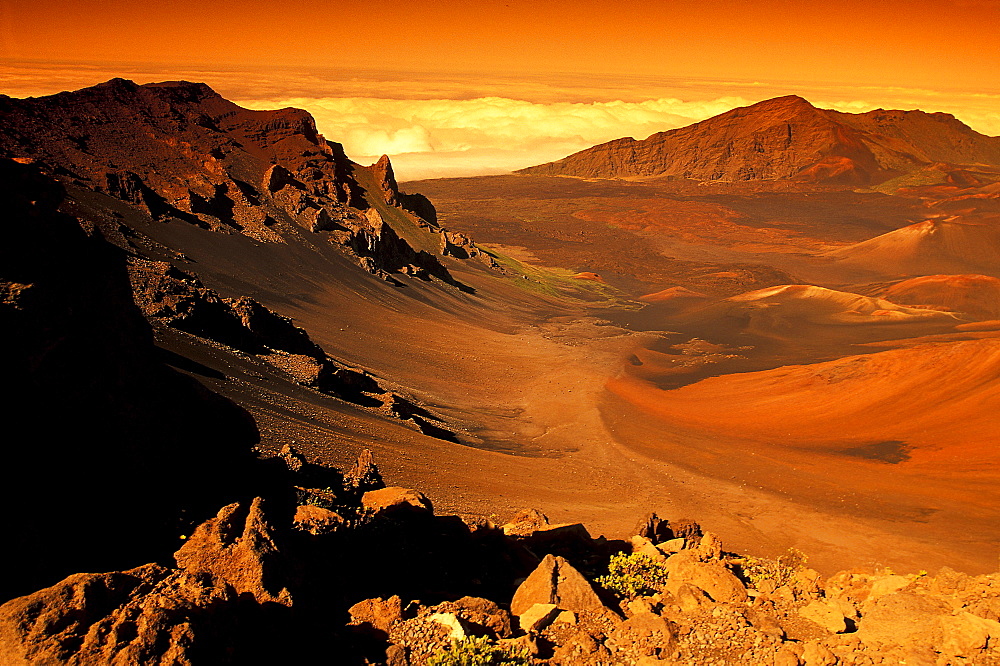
(783, 101)
(787, 138)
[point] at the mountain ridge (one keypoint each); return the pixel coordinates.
(787, 138)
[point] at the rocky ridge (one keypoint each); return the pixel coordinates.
(788, 138)
(368, 574)
(179, 151)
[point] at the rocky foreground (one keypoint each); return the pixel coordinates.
(346, 570)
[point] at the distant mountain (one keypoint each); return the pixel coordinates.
(788, 138)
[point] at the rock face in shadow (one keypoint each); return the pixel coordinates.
(787, 137)
(171, 297)
(108, 432)
(224, 604)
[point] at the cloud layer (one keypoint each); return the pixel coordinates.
(431, 138)
(489, 134)
(460, 124)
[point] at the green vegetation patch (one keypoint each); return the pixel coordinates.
(557, 282)
(635, 575)
(480, 651)
(759, 571)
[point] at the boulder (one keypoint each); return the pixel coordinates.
(672, 546)
(789, 655)
(238, 548)
(654, 529)
(903, 619)
(397, 501)
(452, 623)
(709, 547)
(689, 597)
(815, 653)
(555, 581)
(686, 529)
(315, 519)
(643, 546)
(887, 585)
(825, 615)
(642, 635)
(965, 635)
(537, 617)
(715, 579)
(566, 617)
(570, 540)
(378, 613)
(526, 523)
(481, 616)
(52, 625)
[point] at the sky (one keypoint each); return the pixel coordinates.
(485, 86)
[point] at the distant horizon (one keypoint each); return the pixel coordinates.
(449, 88)
(448, 124)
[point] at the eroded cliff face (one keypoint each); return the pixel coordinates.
(787, 138)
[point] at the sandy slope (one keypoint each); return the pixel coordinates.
(973, 295)
(955, 244)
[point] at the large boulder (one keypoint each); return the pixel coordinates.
(316, 519)
(396, 501)
(714, 578)
(555, 581)
(238, 548)
(642, 635)
(481, 616)
(379, 614)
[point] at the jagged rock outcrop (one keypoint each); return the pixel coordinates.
(364, 476)
(221, 605)
(249, 587)
(240, 549)
(178, 150)
(386, 179)
(170, 296)
(786, 138)
(657, 530)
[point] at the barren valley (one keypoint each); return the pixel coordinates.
(797, 345)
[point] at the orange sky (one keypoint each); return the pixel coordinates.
(945, 43)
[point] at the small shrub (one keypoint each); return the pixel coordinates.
(479, 651)
(630, 576)
(779, 572)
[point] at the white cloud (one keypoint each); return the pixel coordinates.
(439, 124)
(486, 134)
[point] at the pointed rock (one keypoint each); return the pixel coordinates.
(555, 581)
(386, 179)
(243, 553)
(364, 476)
(292, 458)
